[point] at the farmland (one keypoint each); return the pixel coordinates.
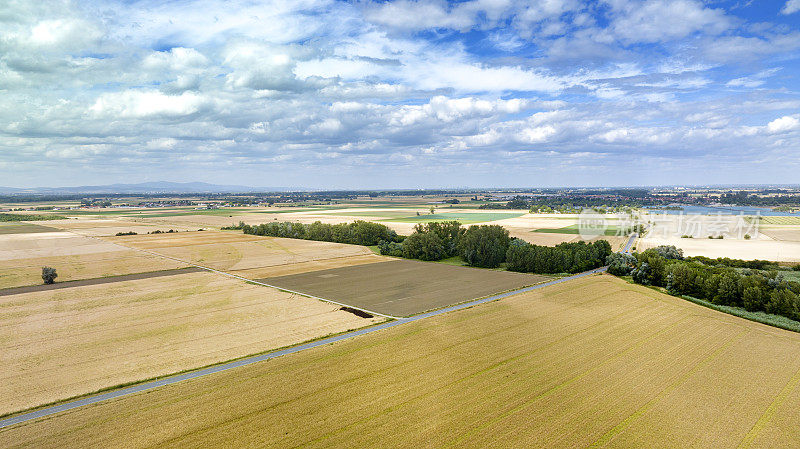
(22, 256)
(594, 362)
(71, 341)
(235, 251)
(403, 287)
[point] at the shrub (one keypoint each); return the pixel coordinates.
(126, 233)
(49, 275)
(390, 249)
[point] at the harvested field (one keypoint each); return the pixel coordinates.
(780, 220)
(464, 217)
(312, 265)
(594, 362)
(110, 227)
(60, 343)
(789, 234)
(97, 281)
(24, 228)
(236, 251)
(22, 257)
(403, 287)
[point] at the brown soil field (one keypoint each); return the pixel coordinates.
(592, 362)
(60, 343)
(403, 287)
(236, 251)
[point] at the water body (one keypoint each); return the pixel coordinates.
(725, 210)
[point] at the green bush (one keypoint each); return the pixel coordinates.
(49, 275)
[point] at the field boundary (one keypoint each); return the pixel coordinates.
(249, 360)
(97, 281)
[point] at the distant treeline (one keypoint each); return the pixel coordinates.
(726, 282)
(29, 217)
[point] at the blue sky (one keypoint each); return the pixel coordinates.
(328, 94)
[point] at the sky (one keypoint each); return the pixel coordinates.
(404, 94)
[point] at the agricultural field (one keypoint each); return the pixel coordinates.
(594, 362)
(778, 220)
(403, 287)
(235, 251)
(611, 230)
(785, 233)
(60, 343)
(24, 228)
(22, 256)
(463, 217)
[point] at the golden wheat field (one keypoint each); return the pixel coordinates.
(237, 251)
(22, 257)
(593, 362)
(61, 343)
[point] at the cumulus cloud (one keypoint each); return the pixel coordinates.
(265, 87)
(658, 20)
(144, 104)
(784, 124)
(791, 7)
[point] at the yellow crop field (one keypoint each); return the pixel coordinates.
(61, 343)
(236, 251)
(594, 362)
(22, 257)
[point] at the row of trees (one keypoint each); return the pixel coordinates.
(479, 246)
(357, 233)
(562, 258)
(754, 290)
(489, 246)
(486, 246)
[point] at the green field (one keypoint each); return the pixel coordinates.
(464, 218)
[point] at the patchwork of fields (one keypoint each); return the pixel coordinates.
(22, 256)
(60, 343)
(594, 362)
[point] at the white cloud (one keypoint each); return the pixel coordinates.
(660, 20)
(791, 7)
(143, 104)
(784, 124)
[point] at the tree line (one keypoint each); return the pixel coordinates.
(727, 282)
(486, 246)
(357, 233)
(489, 246)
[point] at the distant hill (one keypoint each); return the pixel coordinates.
(145, 187)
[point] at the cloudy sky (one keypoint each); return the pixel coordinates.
(329, 94)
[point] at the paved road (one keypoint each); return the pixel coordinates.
(628, 245)
(46, 411)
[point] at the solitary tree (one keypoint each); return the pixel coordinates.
(49, 275)
(433, 210)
